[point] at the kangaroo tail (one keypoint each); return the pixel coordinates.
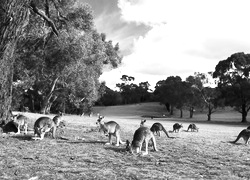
(165, 132)
(238, 137)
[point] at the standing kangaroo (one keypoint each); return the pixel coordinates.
(156, 128)
(177, 127)
(20, 121)
(110, 128)
(142, 134)
(46, 124)
(245, 134)
(193, 127)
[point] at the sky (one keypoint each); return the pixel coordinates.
(165, 38)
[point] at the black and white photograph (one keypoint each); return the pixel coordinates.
(124, 89)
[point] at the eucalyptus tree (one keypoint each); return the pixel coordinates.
(14, 17)
(70, 62)
(203, 93)
(234, 82)
(171, 92)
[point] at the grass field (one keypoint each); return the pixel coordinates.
(81, 153)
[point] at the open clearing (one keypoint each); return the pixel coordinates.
(81, 153)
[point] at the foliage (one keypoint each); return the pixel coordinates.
(233, 81)
(71, 62)
(172, 91)
(203, 95)
(132, 93)
(109, 97)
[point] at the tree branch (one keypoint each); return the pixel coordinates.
(43, 15)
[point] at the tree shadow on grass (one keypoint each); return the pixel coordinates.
(23, 137)
(80, 141)
(118, 149)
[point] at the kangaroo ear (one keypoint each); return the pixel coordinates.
(101, 117)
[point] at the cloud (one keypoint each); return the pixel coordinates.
(183, 36)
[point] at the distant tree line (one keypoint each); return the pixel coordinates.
(231, 87)
(128, 93)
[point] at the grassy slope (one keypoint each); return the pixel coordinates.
(207, 154)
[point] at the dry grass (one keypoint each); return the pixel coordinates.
(82, 153)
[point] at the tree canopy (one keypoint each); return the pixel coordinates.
(233, 81)
(60, 56)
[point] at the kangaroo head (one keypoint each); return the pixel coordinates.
(100, 120)
(142, 122)
(60, 113)
(14, 117)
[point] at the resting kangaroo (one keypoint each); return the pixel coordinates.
(46, 124)
(20, 121)
(156, 128)
(142, 134)
(193, 127)
(245, 134)
(110, 128)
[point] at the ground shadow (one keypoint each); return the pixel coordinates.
(80, 141)
(23, 137)
(238, 144)
(190, 131)
(118, 149)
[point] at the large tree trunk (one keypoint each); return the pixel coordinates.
(244, 113)
(209, 112)
(191, 111)
(14, 16)
(171, 110)
(181, 113)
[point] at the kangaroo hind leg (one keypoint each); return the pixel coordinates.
(154, 143)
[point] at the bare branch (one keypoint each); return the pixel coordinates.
(46, 5)
(43, 15)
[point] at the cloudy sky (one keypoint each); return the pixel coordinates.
(165, 38)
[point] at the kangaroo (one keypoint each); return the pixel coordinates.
(177, 127)
(245, 134)
(110, 128)
(20, 121)
(193, 127)
(46, 124)
(156, 128)
(142, 134)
